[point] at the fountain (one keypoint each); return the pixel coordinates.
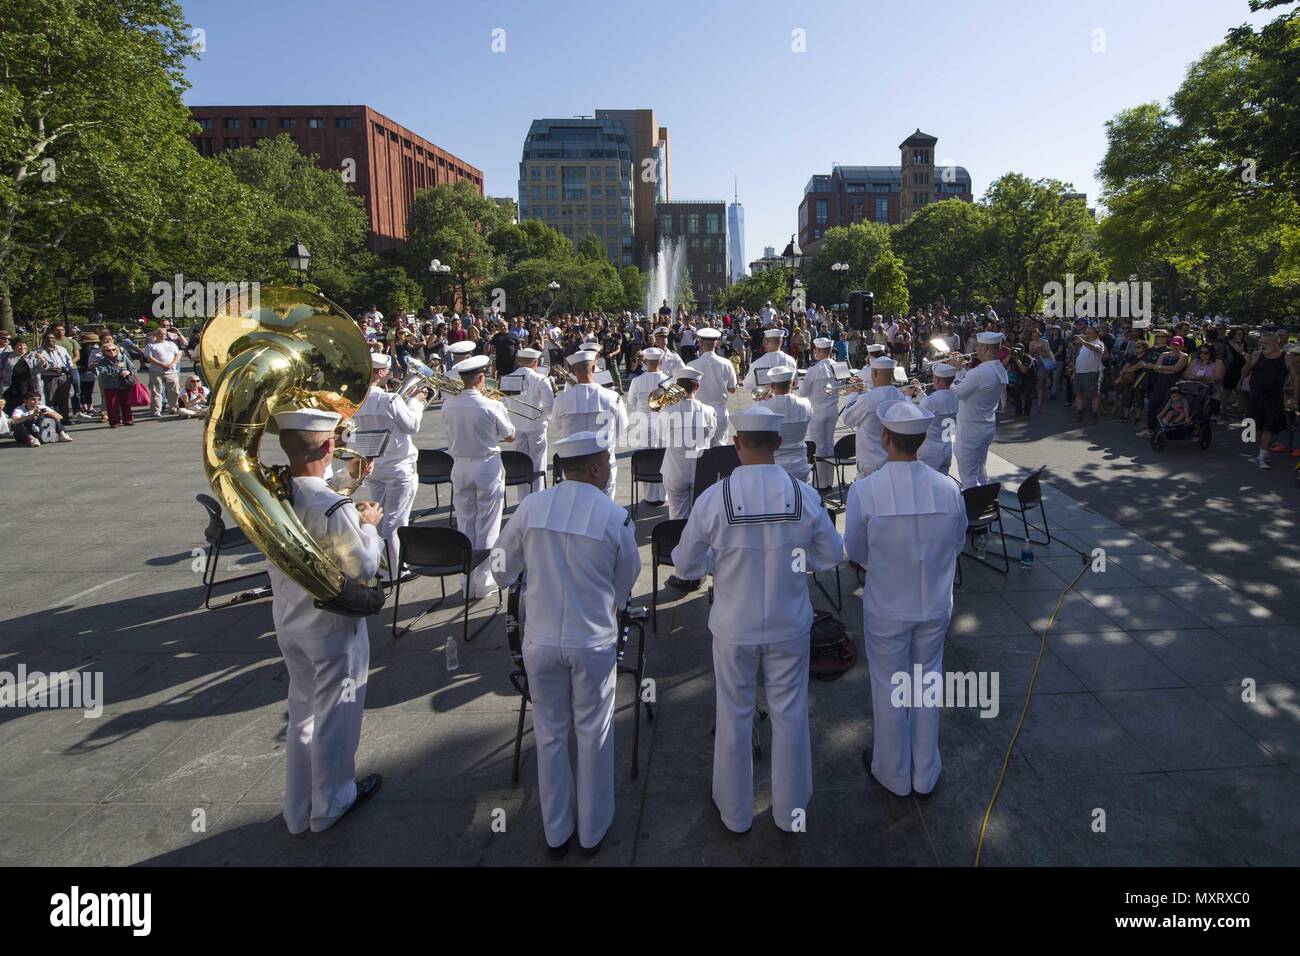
(664, 280)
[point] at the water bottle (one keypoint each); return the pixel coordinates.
(1026, 556)
(453, 654)
(982, 546)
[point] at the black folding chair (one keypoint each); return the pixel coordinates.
(221, 538)
(1027, 497)
(842, 456)
(437, 552)
(834, 510)
(647, 468)
(520, 471)
(712, 466)
(982, 516)
(433, 467)
(664, 536)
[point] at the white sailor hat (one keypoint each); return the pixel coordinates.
(380, 360)
(782, 374)
(774, 334)
(708, 333)
(942, 370)
(307, 420)
(691, 374)
(823, 343)
(579, 445)
(652, 354)
(461, 348)
(529, 354)
(758, 418)
(590, 346)
(472, 364)
(580, 356)
(875, 349)
(883, 363)
(661, 331)
(905, 418)
(989, 338)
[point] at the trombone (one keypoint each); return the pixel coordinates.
(422, 376)
(849, 384)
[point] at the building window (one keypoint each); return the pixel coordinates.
(259, 124)
(595, 172)
(205, 123)
(550, 172)
(287, 123)
(550, 212)
(209, 147)
(821, 212)
(692, 223)
(315, 122)
(882, 209)
(712, 223)
(343, 122)
(537, 192)
(230, 124)
(611, 212)
(574, 181)
(611, 172)
(550, 192)
(665, 225)
(612, 252)
(233, 142)
(535, 172)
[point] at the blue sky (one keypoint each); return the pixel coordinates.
(1006, 85)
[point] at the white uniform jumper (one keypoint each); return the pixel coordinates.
(936, 450)
(327, 656)
(979, 390)
(394, 481)
(745, 530)
(862, 412)
(580, 554)
(475, 427)
(643, 427)
(591, 408)
(825, 410)
(905, 524)
(768, 360)
(531, 439)
(796, 413)
(687, 429)
(718, 378)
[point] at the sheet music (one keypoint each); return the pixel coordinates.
(512, 384)
(841, 370)
(369, 443)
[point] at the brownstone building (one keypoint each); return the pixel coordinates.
(386, 163)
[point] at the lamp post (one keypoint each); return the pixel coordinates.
(62, 280)
(439, 269)
(554, 288)
(841, 270)
(298, 259)
(791, 257)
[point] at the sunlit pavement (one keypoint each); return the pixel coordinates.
(1138, 710)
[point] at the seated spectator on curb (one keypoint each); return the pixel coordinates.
(194, 399)
(27, 418)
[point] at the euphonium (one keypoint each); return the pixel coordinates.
(419, 375)
(296, 350)
(665, 395)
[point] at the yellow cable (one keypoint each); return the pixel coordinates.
(1029, 696)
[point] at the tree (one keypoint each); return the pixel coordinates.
(633, 280)
(94, 149)
(451, 223)
(531, 239)
(753, 292)
(591, 247)
(945, 248)
(867, 247)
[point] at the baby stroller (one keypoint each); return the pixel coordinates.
(1196, 396)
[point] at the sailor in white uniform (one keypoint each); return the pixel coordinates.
(537, 392)
(796, 413)
(476, 426)
(579, 554)
(905, 524)
(717, 381)
(978, 390)
(687, 429)
(671, 362)
(393, 481)
(587, 407)
(825, 408)
(862, 412)
(759, 532)
(941, 402)
(327, 655)
(643, 421)
(772, 357)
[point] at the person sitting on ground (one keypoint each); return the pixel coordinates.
(28, 417)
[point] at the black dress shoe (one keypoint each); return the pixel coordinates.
(561, 851)
(682, 584)
(592, 850)
(367, 787)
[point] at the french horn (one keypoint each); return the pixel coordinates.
(297, 349)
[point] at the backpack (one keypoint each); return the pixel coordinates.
(833, 652)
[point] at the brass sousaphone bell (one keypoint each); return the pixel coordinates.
(294, 349)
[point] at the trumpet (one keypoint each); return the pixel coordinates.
(851, 383)
(916, 390)
(665, 395)
(561, 377)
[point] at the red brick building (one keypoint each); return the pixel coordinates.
(385, 162)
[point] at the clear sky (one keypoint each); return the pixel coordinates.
(1006, 85)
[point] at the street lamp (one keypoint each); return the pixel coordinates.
(298, 259)
(62, 280)
(554, 288)
(439, 269)
(792, 254)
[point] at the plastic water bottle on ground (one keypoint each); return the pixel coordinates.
(1026, 556)
(982, 546)
(453, 654)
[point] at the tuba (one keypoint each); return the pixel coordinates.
(296, 349)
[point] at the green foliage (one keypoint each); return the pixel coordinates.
(633, 280)
(753, 292)
(591, 247)
(945, 247)
(531, 239)
(873, 265)
(451, 223)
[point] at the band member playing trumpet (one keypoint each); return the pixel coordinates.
(772, 357)
(573, 542)
(586, 407)
(759, 531)
(795, 412)
(717, 382)
(327, 655)
(978, 391)
(537, 393)
(393, 478)
(905, 524)
(863, 409)
(644, 419)
(942, 402)
(476, 426)
(825, 408)
(688, 428)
